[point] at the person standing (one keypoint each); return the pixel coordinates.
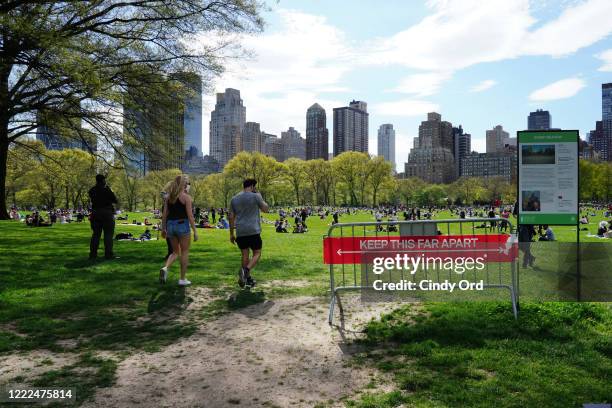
(164, 197)
(245, 219)
(102, 217)
(176, 220)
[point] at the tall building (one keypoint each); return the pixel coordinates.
(386, 143)
(227, 122)
(499, 164)
(58, 131)
(606, 119)
(293, 144)
(539, 120)
(601, 144)
(201, 165)
(252, 138)
(432, 157)
(351, 128)
(462, 147)
(497, 138)
(273, 147)
(192, 119)
(606, 101)
(317, 135)
(155, 131)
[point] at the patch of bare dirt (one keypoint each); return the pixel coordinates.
(279, 283)
(277, 353)
(32, 364)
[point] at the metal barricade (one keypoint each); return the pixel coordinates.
(347, 280)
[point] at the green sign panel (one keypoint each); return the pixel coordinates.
(548, 177)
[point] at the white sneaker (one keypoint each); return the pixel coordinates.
(184, 282)
(163, 274)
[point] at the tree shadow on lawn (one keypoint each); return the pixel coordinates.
(97, 320)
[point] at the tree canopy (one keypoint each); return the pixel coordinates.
(79, 66)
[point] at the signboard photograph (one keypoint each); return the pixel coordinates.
(548, 177)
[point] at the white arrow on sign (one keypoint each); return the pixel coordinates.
(499, 250)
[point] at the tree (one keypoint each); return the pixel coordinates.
(20, 161)
(126, 186)
(410, 189)
(76, 169)
(222, 188)
(434, 194)
(74, 63)
(155, 181)
(262, 168)
(351, 169)
(379, 171)
(295, 174)
(314, 173)
(467, 189)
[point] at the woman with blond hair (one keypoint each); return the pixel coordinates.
(176, 220)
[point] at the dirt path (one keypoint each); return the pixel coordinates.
(277, 353)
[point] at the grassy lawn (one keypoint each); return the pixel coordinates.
(53, 298)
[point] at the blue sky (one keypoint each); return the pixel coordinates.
(477, 63)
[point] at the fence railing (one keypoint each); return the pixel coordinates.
(352, 275)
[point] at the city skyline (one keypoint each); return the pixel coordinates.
(554, 57)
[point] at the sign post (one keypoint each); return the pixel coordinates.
(548, 182)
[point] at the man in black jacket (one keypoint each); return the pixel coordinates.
(102, 217)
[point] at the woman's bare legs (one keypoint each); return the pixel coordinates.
(176, 252)
(184, 242)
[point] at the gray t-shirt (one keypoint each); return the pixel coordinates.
(245, 206)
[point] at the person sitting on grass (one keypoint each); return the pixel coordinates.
(39, 221)
(281, 226)
(584, 219)
(392, 223)
(602, 231)
(15, 214)
(222, 224)
(546, 234)
(147, 222)
(145, 236)
(299, 228)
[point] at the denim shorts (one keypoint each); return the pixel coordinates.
(177, 228)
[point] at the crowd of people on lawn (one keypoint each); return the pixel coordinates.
(178, 218)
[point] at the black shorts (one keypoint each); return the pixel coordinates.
(250, 241)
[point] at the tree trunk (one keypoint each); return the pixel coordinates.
(3, 162)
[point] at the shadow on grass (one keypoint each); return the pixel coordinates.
(476, 354)
(244, 297)
(169, 299)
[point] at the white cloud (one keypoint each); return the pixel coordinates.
(606, 57)
(306, 58)
(459, 34)
(292, 68)
(403, 145)
(422, 84)
(578, 26)
(483, 86)
(565, 88)
(404, 107)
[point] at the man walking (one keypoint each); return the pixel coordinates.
(102, 217)
(244, 217)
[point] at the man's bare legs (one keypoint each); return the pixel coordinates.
(248, 262)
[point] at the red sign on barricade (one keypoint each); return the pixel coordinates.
(357, 250)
